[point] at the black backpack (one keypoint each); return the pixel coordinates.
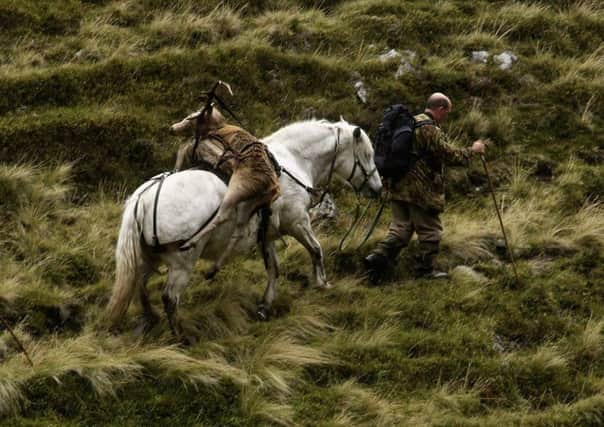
(393, 142)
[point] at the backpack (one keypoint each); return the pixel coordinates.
(393, 142)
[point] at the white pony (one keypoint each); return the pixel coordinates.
(309, 152)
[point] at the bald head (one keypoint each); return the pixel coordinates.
(439, 106)
(438, 99)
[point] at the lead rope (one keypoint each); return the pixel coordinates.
(358, 217)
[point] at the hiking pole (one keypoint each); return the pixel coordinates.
(10, 331)
(505, 237)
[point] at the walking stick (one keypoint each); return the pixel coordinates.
(505, 237)
(10, 331)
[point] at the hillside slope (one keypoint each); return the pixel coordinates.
(87, 91)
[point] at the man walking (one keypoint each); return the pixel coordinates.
(419, 197)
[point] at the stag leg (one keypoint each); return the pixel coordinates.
(243, 212)
(303, 233)
(269, 253)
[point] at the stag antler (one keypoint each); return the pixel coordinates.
(207, 109)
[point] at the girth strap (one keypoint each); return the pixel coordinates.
(155, 239)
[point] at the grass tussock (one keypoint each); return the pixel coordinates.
(535, 218)
(89, 87)
(106, 364)
(359, 406)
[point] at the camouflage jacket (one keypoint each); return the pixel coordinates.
(424, 183)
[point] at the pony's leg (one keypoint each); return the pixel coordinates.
(179, 272)
(184, 152)
(150, 315)
(272, 268)
(303, 233)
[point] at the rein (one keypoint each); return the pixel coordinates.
(358, 216)
(311, 190)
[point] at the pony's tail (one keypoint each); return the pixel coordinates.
(129, 260)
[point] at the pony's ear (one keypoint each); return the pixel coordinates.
(356, 133)
(342, 118)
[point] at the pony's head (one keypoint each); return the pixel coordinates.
(358, 165)
(212, 119)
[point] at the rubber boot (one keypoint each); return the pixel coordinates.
(378, 261)
(425, 262)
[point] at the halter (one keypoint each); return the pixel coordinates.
(325, 190)
(357, 163)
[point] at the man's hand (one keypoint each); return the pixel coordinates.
(478, 147)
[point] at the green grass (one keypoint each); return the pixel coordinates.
(87, 91)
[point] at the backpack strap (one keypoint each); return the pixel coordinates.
(428, 122)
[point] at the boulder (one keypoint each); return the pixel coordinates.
(481, 56)
(391, 55)
(406, 65)
(361, 91)
(505, 60)
(468, 274)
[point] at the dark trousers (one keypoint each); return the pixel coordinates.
(407, 219)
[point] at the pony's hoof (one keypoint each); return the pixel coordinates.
(325, 285)
(188, 340)
(262, 313)
(145, 325)
(211, 273)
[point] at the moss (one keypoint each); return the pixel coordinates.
(152, 402)
(103, 145)
(72, 269)
(110, 117)
(46, 16)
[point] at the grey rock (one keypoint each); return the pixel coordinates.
(361, 91)
(391, 55)
(406, 66)
(468, 273)
(498, 344)
(481, 56)
(505, 60)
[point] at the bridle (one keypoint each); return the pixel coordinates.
(357, 163)
(358, 215)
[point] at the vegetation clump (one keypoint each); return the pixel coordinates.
(87, 91)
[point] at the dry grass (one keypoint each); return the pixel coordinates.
(183, 26)
(366, 337)
(273, 367)
(545, 358)
(296, 367)
(591, 344)
(484, 35)
(533, 218)
(519, 12)
(359, 406)
(106, 363)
